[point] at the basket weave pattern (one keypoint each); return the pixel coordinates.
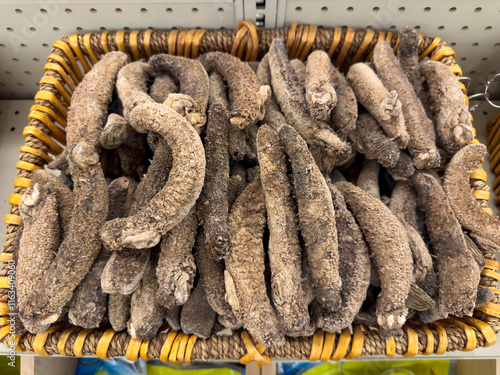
(47, 121)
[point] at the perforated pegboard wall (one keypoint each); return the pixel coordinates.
(28, 28)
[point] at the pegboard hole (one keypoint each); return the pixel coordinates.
(9, 73)
(93, 10)
(10, 29)
(485, 113)
(43, 10)
(417, 27)
(222, 28)
(401, 9)
(194, 10)
(16, 112)
(478, 9)
(12, 129)
(126, 28)
(393, 27)
(298, 9)
(32, 29)
(472, 72)
(350, 9)
(453, 10)
(463, 58)
(2, 45)
(496, 45)
(428, 9)
(56, 29)
(27, 72)
(220, 10)
(484, 59)
(376, 9)
(36, 59)
(144, 10)
(102, 28)
(20, 84)
(15, 59)
(2, 84)
(79, 29)
(19, 11)
(169, 10)
(453, 44)
(465, 28)
(23, 45)
(475, 44)
(67, 10)
(45, 45)
(488, 28)
(441, 28)
(118, 10)
(324, 9)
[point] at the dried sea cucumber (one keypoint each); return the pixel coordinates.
(320, 92)
(197, 316)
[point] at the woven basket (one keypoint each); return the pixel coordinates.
(45, 135)
(493, 144)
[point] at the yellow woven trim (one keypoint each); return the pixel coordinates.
(395, 48)
(342, 345)
(412, 350)
(479, 174)
(23, 182)
(311, 36)
(189, 349)
(358, 339)
(495, 290)
(290, 40)
(5, 257)
(364, 44)
(133, 349)
(443, 52)
(61, 120)
(172, 41)
(61, 343)
(144, 350)
(469, 333)
(57, 133)
(80, 341)
(494, 159)
(86, 42)
(420, 38)
(328, 344)
(429, 348)
(317, 345)
(27, 166)
(175, 348)
(181, 37)
(54, 148)
(490, 308)
(59, 69)
(4, 331)
(337, 34)
(4, 308)
(247, 358)
(69, 54)
(388, 37)
(195, 47)
(12, 219)
(495, 152)
(104, 41)
(493, 122)
(75, 45)
(165, 349)
(481, 194)
(429, 49)
(492, 264)
(466, 98)
(302, 42)
(442, 338)
(489, 335)
(488, 210)
(381, 36)
(103, 344)
(15, 199)
(188, 42)
(492, 274)
(259, 359)
(4, 282)
(147, 42)
(182, 348)
(457, 70)
(41, 339)
(4, 320)
(14, 341)
(462, 87)
(120, 40)
(134, 46)
(60, 88)
(349, 37)
(34, 151)
(46, 95)
(471, 118)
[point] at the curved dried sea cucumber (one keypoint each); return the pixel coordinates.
(484, 228)
(284, 247)
(163, 85)
(316, 219)
(458, 273)
(132, 86)
(368, 178)
(354, 267)
(326, 147)
(38, 246)
(88, 305)
(245, 267)
(193, 81)
(176, 267)
(345, 112)
(383, 232)
(249, 98)
(169, 206)
(115, 132)
(382, 104)
(422, 145)
(453, 123)
(197, 316)
(320, 93)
